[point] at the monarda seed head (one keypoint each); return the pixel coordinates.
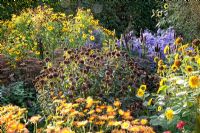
(97, 58)
(69, 51)
(94, 56)
(47, 59)
(113, 53)
(66, 62)
(47, 53)
(51, 84)
(55, 75)
(65, 49)
(118, 54)
(50, 76)
(81, 61)
(50, 69)
(42, 82)
(196, 42)
(44, 67)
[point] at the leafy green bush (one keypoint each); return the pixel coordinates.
(119, 15)
(183, 16)
(17, 94)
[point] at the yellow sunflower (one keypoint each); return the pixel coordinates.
(140, 93)
(92, 38)
(166, 6)
(188, 69)
(178, 41)
(174, 67)
(156, 59)
(50, 28)
(143, 87)
(194, 82)
(159, 14)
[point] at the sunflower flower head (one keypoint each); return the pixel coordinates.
(194, 82)
(188, 69)
(140, 93)
(92, 38)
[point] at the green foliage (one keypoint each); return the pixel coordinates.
(17, 94)
(119, 15)
(184, 17)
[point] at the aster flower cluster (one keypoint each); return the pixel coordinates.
(148, 44)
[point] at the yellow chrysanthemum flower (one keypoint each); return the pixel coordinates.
(89, 102)
(144, 121)
(169, 114)
(117, 103)
(81, 123)
(125, 125)
(121, 112)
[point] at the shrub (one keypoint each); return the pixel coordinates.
(84, 72)
(183, 16)
(17, 94)
(24, 70)
(112, 14)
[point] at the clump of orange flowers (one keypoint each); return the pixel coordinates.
(10, 119)
(85, 115)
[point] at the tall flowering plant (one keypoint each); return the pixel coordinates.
(177, 98)
(37, 30)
